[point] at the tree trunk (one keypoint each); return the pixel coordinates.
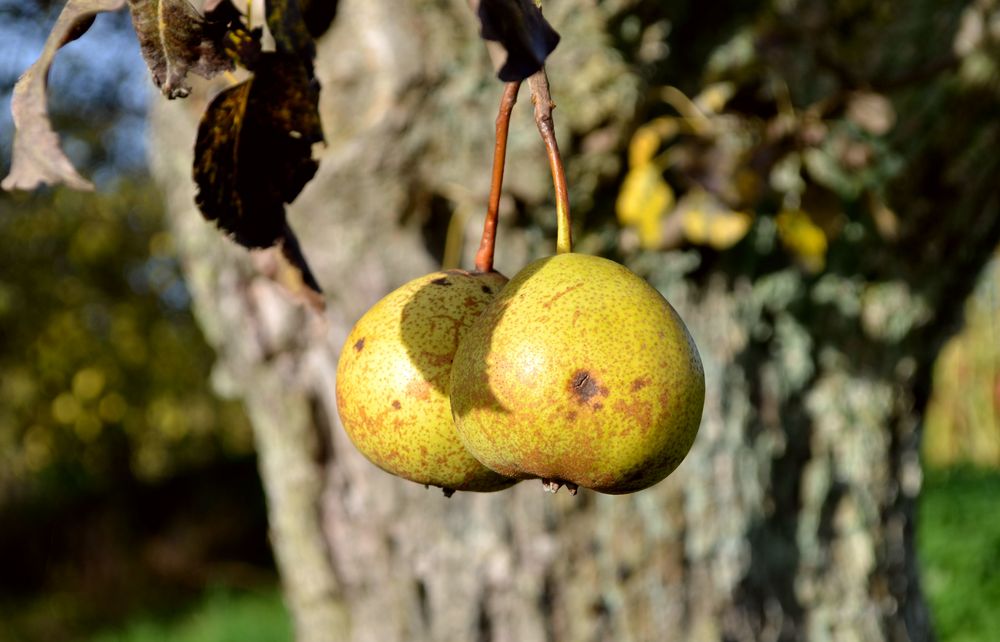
(791, 518)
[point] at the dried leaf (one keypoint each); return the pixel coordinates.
(287, 25)
(221, 13)
(37, 157)
(319, 15)
(254, 154)
(299, 279)
(519, 27)
(176, 40)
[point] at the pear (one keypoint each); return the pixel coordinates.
(581, 374)
(393, 374)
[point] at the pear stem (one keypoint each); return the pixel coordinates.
(484, 257)
(542, 100)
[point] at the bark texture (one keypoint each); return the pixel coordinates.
(792, 517)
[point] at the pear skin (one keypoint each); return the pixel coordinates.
(579, 373)
(393, 375)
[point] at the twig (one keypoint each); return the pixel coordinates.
(484, 257)
(540, 97)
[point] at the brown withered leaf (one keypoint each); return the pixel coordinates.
(287, 25)
(220, 13)
(318, 15)
(518, 25)
(176, 39)
(253, 154)
(37, 157)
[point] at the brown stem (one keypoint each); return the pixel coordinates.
(539, 84)
(484, 257)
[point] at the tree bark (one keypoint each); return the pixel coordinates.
(791, 518)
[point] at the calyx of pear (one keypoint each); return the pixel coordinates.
(581, 374)
(393, 377)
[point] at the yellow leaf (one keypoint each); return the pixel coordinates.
(644, 199)
(728, 228)
(643, 146)
(650, 233)
(707, 221)
(695, 224)
(714, 97)
(803, 238)
(647, 139)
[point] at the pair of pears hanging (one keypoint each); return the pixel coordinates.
(576, 372)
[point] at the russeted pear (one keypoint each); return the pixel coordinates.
(578, 373)
(392, 380)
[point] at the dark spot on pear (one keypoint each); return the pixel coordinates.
(583, 386)
(487, 289)
(360, 345)
(441, 281)
(396, 404)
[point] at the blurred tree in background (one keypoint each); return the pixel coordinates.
(812, 184)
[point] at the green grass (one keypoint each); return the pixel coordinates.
(958, 538)
(223, 616)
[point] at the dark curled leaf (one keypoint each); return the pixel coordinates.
(318, 15)
(37, 157)
(292, 252)
(254, 154)
(176, 39)
(286, 23)
(220, 17)
(244, 47)
(518, 25)
(223, 11)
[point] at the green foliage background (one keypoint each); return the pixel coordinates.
(104, 377)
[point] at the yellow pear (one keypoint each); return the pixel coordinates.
(578, 373)
(393, 374)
